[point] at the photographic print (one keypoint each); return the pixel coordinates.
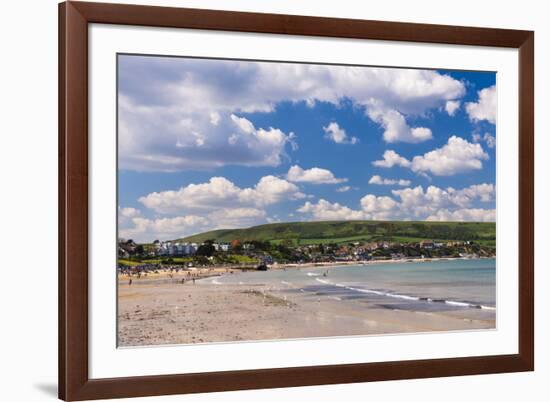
(268, 200)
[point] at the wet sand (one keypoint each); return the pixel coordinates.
(159, 309)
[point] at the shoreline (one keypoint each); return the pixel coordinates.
(200, 273)
(217, 270)
(371, 262)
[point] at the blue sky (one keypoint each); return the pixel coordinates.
(206, 144)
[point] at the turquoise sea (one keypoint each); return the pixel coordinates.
(417, 286)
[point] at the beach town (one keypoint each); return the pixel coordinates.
(260, 254)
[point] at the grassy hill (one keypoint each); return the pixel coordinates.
(350, 231)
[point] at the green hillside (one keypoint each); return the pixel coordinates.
(351, 231)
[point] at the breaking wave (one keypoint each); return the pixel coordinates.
(407, 297)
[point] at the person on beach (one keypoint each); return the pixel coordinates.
(182, 281)
(130, 281)
(193, 281)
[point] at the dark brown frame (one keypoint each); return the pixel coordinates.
(74, 17)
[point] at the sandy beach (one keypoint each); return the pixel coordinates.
(168, 308)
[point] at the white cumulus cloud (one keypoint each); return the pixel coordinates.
(236, 217)
(125, 214)
(390, 159)
(452, 106)
(219, 192)
(395, 126)
(489, 139)
(314, 175)
(457, 156)
(128, 212)
(376, 179)
(460, 215)
(434, 203)
(178, 113)
(144, 229)
(378, 207)
(486, 106)
(419, 202)
(324, 210)
(338, 135)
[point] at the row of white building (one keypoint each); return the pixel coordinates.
(170, 248)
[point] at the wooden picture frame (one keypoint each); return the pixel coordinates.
(74, 381)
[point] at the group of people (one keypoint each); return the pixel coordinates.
(191, 276)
